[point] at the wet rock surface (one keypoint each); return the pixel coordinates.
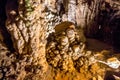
(67, 54)
(67, 57)
(25, 25)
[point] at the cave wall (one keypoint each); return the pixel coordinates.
(98, 18)
(25, 25)
(93, 16)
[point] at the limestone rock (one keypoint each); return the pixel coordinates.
(113, 62)
(28, 23)
(64, 40)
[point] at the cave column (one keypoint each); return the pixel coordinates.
(27, 29)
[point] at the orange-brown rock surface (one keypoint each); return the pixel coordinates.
(44, 40)
(68, 55)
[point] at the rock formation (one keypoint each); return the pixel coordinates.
(49, 39)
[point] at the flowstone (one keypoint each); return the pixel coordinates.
(67, 54)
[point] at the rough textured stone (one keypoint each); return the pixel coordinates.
(75, 56)
(26, 26)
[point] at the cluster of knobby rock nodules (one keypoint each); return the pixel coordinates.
(16, 67)
(65, 48)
